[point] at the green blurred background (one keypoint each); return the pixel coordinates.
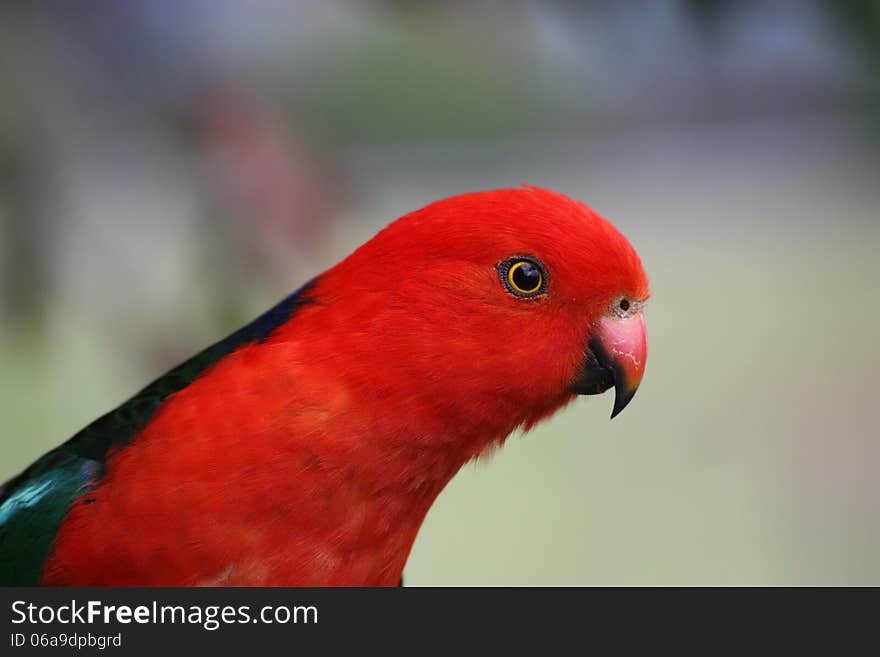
(170, 169)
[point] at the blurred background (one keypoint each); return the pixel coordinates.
(170, 169)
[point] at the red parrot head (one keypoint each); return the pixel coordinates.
(494, 309)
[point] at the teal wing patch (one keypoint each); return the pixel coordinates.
(33, 504)
(32, 511)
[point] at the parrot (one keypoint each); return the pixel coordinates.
(306, 448)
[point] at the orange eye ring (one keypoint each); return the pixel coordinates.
(523, 276)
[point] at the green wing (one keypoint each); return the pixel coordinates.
(33, 504)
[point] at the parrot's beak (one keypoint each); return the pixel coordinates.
(616, 357)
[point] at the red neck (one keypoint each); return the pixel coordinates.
(263, 472)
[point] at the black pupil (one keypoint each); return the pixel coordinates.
(624, 305)
(527, 277)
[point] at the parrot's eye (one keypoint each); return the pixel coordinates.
(623, 307)
(523, 276)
